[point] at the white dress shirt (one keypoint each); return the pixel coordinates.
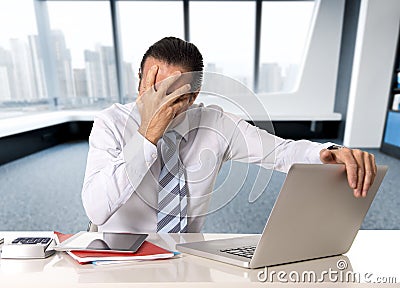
(121, 181)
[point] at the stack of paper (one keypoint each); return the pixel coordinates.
(147, 251)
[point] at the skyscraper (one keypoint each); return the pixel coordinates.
(109, 71)
(93, 75)
(129, 82)
(292, 75)
(101, 73)
(63, 65)
(81, 84)
(37, 65)
(270, 79)
(7, 88)
(23, 71)
(212, 67)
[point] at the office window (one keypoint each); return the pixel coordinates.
(284, 33)
(82, 45)
(142, 23)
(22, 83)
(224, 33)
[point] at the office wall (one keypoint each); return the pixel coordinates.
(378, 29)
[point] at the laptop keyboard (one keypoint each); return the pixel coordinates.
(246, 251)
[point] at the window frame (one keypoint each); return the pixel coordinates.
(276, 108)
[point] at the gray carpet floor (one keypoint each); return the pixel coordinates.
(42, 192)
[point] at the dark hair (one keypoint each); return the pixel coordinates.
(175, 51)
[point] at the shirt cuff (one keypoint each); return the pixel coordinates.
(315, 152)
(139, 155)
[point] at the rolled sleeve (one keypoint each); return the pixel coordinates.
(313, 152)
(139, 154)
(253, 145)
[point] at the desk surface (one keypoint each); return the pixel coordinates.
(374, 252)
(32, 121)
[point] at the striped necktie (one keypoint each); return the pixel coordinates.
(172, 196)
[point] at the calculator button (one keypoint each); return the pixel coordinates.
(45, 240)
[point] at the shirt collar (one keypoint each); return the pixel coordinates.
(181, 126)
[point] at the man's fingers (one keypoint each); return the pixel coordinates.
(327, 156)
(166, 83)
(178, 106)
(172, 104)
(172, 110)
(369, 173)
(360, 171)
(351, 166)
(360, 167)
(151, 77)
(181, 91)
(372, 159)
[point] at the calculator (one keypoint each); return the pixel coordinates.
(28, 248)
(44, 241)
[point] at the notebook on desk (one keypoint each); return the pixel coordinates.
(314, 216)
(146, 251)
(103, 241)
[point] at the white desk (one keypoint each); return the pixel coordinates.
(28, 122)
(19, 122)
(374, 252)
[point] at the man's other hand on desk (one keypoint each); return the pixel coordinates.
(360, 167)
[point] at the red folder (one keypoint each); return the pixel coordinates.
(148, 251)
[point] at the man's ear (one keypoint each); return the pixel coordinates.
(193, 98)
(140, 81)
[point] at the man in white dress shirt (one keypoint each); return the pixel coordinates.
(126, 160)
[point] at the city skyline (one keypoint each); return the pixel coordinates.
(22, 77)
(273, 76)
(83, 69)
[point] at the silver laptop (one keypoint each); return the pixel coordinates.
(314, 216)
